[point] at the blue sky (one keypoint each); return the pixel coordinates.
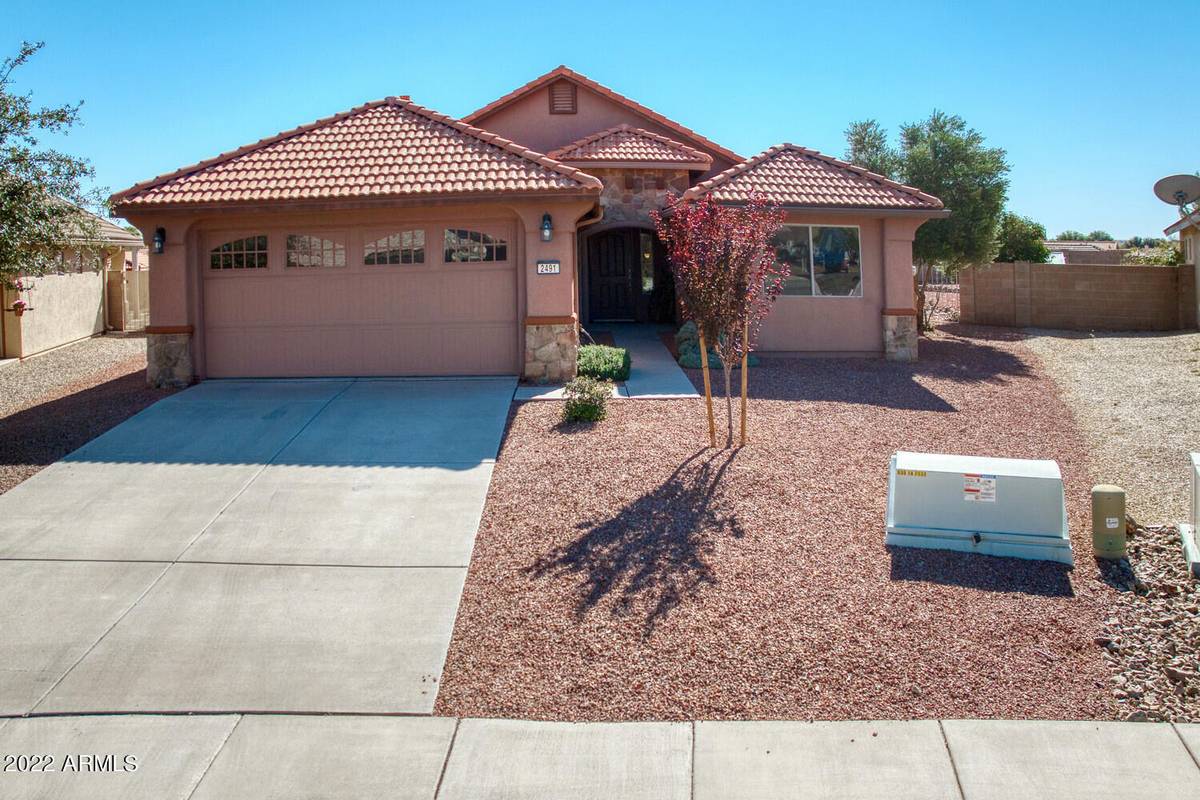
(1089, 99)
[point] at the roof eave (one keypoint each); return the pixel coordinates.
(698, 166)
(1185, 222)
(142, 208)
(875, 211)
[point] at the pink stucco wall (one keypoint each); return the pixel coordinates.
(528, 121)
(848, 325)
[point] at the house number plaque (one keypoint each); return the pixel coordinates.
(549, 267)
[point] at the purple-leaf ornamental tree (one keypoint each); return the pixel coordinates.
(726, 278)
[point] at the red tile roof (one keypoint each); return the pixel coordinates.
(570, 74)
(788, 175)
(626, 144)
(391, 148)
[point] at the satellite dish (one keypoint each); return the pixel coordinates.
(1178, 190)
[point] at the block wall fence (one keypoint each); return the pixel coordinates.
(1114, 297)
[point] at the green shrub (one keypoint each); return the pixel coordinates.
(687, 338)
(603, 362)
(587, 400)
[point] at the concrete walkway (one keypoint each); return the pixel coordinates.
(247, 546)
(654, 374)
(267, 757)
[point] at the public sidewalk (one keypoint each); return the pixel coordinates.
(264, 756)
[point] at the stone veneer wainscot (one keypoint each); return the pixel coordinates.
(551, 349)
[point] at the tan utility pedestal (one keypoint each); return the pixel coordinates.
(1108, 521)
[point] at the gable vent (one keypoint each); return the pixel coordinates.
(562, 98)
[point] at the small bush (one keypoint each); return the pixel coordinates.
(587, 400)
(603, 362)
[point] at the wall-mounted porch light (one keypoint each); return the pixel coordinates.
(547, 228)
(160, 239)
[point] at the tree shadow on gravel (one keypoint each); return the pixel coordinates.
(652, 554)
(987, 573)
(965, 358)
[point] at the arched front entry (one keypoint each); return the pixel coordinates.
(627, 278)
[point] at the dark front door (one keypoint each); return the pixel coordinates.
(612, 268)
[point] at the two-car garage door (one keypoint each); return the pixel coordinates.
(417, 299)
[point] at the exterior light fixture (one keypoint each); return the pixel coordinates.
(160, 239)
(547, 228)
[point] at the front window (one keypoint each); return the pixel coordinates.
(313, 251)
(647, 251)
(247, 253)
(821, 260)
(464, 245)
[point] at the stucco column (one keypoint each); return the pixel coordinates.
(899, 302)
(169, 346)
(551, 319)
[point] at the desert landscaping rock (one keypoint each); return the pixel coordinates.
(649, 577)
(1136, 397)
(1152, 638)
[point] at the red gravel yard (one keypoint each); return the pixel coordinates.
(624, 571)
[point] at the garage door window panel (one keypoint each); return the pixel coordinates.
(314, 251)
(472, 246)
(402, 247)
(249, 252)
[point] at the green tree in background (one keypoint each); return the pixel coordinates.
(867, 146)
(944, 157)
(1071, 236)
(1021, 239)
(1100, 236)
(41, 189)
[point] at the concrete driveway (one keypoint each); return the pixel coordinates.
(251, 546)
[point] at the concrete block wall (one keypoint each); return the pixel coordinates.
(1080, 296)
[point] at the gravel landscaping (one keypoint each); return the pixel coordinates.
(1152, 638)
(54, 403)
(1136, 396)
(623, 571)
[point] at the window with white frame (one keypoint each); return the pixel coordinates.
(404, 247)
(464, 245)
(821, 260)
(247, 253)
(314, 251)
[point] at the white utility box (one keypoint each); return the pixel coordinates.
(994, 506)
(1189, 532)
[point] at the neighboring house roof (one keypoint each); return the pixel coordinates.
(626, 145)
(793, 176)
(390, 148)
(110, 234)
(561, 71)
(1186, 222)
(1063, 246)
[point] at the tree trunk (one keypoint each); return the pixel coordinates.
(712, 424)
(745, 375)
(728, 368)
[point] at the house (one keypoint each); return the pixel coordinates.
(1188, 229)
(1064, 251)
(393, 240)
(74, 301)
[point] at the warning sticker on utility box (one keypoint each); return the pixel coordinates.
(979, 488)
